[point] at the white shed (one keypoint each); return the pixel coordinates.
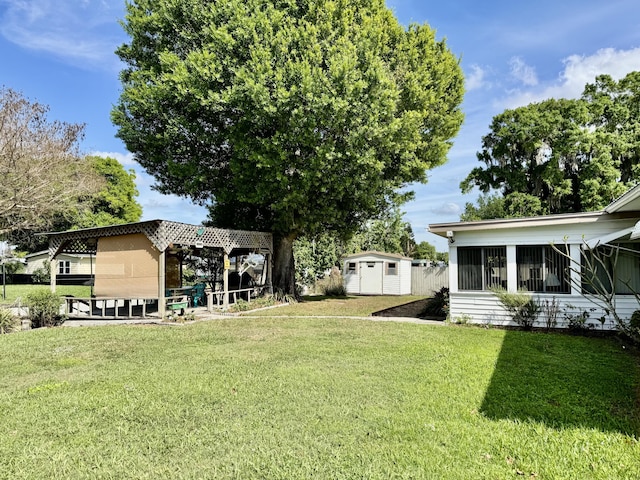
(377, 273)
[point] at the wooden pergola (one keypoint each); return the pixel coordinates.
(121, 250)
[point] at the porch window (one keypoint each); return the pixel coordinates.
(542, 269)
(64, 267)
(619, 260)
(482, 268)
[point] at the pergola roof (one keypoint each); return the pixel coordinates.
(162, 234)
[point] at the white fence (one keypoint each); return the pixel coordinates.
(426, 280)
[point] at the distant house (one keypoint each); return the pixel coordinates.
(517, 254)
(377, 273)
(67, 263)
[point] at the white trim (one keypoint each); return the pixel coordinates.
(604, 239)
(619, 204)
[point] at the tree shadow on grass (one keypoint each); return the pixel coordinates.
(565, 381)
(320, 298)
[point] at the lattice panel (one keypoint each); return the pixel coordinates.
(162, 234)
(228, 240)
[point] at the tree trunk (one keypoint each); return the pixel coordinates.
(284, 269)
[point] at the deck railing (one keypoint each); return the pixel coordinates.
(110, 307)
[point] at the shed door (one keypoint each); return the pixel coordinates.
(371, 278)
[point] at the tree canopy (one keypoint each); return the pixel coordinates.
(561, 156)
(113, 203)
(295, 117)
(42, 172)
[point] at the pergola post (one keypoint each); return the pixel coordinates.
(162, 273)
(53, 269)
(225, 278)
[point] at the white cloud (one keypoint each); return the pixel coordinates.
(476, 79)
(523, 72)
(84, 34)
(578, 71)
(448, 208)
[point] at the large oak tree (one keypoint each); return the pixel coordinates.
(292, 116)
(561, 155)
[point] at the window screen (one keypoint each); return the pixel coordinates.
(482, 268)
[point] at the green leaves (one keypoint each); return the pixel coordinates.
(572, 155)
(311, 113)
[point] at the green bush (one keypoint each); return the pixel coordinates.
(438, 305)
(578, 320)
(42, 274)
(523, 308)
(44, 309)
(7, 321)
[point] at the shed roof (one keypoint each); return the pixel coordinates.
(396, 256)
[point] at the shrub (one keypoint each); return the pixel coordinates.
(332, 286)
(42, 274)
(44, 309)
(551, 308)
(521, 305)
(633, 331)
(260, 302)
(578, 321)
(7, 321)
(438, 305)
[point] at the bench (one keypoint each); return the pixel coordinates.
(177, 304)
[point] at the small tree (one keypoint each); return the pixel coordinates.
(597, 279)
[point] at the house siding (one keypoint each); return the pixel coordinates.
(483, 306)
(78, 264)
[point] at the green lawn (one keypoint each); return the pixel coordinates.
(21, 291)
(360, 306)
(324, 398)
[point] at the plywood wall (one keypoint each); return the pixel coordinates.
(126, 266)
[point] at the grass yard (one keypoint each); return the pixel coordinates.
(360, 306)
(324, 398)
(21, 291)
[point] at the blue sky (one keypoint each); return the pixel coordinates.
(60, 53)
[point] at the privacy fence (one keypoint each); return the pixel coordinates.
(426, 280)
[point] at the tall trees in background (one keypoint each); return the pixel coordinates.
(561, 155)
(41, 169)
(296, 117)
(114, 202)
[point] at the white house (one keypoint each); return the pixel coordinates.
(377, 273)
(67, 264)
(517, 254)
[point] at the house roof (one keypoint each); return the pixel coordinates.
(627, 202)
(380, 254)
(622, 206)
(43, 253)
(586, 217)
